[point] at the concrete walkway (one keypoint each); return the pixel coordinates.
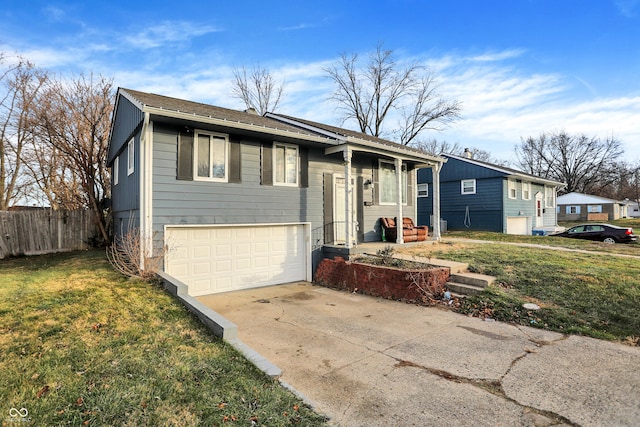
(371, 362)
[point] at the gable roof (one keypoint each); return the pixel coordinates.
(511, 173)
(574, 198)
(167, 106)
(270, 123)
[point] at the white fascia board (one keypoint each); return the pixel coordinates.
(311, 128)
(236, 125)
(395, 151)
(510, 173)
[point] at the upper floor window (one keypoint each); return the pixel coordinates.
(116, 170)
(549, 197)
(285, 164)
(423, 190)
(512, 189)
(131, 157)
(388, 185)
(211, 156)
(468, 186)
(526, 191)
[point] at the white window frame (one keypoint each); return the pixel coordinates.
(423, 190)
(526, 190)
(549, 197)
(573, 210)
(512, 189)
(467, 181)
(403, 179)
(286, 147)
(116, 170)
(594, 208)
(212, 135)
(131, 156)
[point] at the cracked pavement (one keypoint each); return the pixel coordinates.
(368, 361)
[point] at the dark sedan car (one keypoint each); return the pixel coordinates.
(601, 232)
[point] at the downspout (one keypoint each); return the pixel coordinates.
(348, 190)
(435, 172)
(145, 170)
(398, 165)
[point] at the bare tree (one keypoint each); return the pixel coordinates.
(369, 93)
(21, 84)
(73, 119)
(583, 163)
(257, 88)
(436, 148)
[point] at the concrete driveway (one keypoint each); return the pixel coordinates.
(364, 361)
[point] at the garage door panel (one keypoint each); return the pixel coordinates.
(219, 258)
(517, 225)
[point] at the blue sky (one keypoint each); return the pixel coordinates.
(519, 67)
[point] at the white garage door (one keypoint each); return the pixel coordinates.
(518, 225)
(212, 259)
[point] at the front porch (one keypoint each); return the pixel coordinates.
(370, 248)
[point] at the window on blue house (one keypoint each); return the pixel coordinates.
(423, 190)
(468, 186)
(130, 157)
(512, 189)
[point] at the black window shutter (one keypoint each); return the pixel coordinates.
(304, 166)
(235, 165)
(185, 156)
(266, 165)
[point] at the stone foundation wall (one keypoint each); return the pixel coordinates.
(380, 281)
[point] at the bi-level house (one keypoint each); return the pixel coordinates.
(477, 195)
(233, 200)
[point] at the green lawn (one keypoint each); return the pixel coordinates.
(591, 294)
(82, 345)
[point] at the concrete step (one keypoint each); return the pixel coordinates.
(453, 266)
(472, 279)
(462, 289)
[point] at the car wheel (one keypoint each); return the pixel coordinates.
(609, 240)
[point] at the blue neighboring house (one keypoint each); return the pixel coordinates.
(476, 195)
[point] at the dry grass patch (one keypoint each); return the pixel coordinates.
(82, 345)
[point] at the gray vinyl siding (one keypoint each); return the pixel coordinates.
(126, 195)
(129, 120)
(248, 202)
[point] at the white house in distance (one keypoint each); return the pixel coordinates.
(585, 207)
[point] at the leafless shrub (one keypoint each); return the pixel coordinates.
(430, 289)
(125, 255)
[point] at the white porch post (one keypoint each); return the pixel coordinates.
(435, 172)
(348, 189)
(398, 165)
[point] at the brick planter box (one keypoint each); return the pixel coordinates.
(381, 281)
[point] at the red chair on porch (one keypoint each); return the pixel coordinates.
(410, 232)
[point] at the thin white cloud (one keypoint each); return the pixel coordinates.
(627, 7)
(54, 14)
(167, 32)
(497, 56)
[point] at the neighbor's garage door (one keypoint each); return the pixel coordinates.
(517, 225)
(216, 259)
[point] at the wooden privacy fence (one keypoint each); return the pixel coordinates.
(41, 231)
